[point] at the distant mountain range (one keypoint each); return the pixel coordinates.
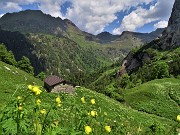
(58, 46)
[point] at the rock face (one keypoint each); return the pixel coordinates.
(170, 39)
(171, 36)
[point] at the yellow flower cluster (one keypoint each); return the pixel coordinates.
(108, 129)
(35, 89)
(43, 111)
(88, 130)
(178, 118)
(20, 107)
(93, 113)
(83, 100)
(93, 101)
(38, 102)
(19, 97)
(58, 101)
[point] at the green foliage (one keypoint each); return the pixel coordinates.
(151, 71)
(41, 76)
(9, 59)
(25, 65)
(6, 56)
(125, 80)
(3, 52)
(122, 119)
(66, 58)
(28, 116)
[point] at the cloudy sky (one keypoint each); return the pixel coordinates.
(95, 16)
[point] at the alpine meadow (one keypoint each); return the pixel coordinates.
(90, 67)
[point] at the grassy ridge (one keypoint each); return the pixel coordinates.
(159, 97)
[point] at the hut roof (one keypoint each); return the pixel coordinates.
(53, 80)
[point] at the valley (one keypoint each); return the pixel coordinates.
(125, 84)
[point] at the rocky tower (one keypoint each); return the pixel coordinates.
(171, 36)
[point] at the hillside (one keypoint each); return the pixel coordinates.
(17, 30)
(160, 97)
(122, 119)
(12, 81)
(54, 55)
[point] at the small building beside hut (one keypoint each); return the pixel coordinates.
(56, 84)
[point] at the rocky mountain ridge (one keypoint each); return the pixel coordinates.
(58, 46)
(35, 21)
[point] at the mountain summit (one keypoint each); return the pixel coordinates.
(33, 21)
(171, 35)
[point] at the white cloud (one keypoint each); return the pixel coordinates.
(10, 6)
(161, 24)
(51, 7)
(1, 15)
(141, 16)
(93, 16)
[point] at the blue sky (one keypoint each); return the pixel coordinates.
(95, 16)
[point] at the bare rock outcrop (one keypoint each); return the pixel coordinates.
(171, 36)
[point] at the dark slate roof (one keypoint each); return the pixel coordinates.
(53, 80)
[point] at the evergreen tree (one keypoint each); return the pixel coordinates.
(3, 52)
(25, 65)
(41, 76)
(9, 59)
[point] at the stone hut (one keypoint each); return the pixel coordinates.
(56, 84)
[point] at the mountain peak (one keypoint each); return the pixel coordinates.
(105, 33)
(22, 13)
(171, 35)
(32, 21)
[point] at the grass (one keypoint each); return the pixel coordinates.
(11, 79)
(159, 97)
(122, 119)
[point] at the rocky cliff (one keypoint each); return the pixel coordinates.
(171, 35)
(170, 39)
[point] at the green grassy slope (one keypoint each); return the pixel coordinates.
(12, 79)
(159, 97)
(122, 119)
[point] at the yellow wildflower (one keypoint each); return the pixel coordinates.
(93, 113)
(36, 90)
(43, 111)
(58, 105)
(30, 87)
(108, 129)
(55, 123)
(139, 129)
(20, 107)
(38, 102)
(19, 97)
(83, 99)
(178, 118)
(93, 101)
(88, 129)
(58, 100)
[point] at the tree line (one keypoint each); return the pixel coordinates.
(8, 57)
